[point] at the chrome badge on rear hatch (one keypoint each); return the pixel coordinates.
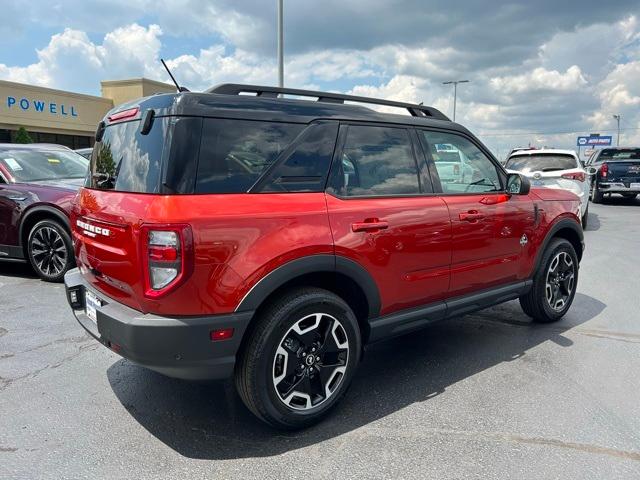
(92, 230)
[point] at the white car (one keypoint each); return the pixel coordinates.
(553, 168)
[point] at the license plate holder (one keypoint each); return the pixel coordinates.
(92, 304)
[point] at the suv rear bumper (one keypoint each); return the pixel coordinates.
(177, 347)
(617, 187)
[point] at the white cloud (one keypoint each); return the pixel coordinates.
(540, 79)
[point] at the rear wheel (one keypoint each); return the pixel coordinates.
(554, 284)
(50, 251)
(300, 358)
(596, 195)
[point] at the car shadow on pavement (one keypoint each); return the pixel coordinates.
(16, 269)
(209, 421)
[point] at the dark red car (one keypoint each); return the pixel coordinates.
(272, 238)
(37, 185)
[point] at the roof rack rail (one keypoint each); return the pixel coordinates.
(273, 92)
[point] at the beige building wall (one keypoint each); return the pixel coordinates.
(122, 91)
(48, 110)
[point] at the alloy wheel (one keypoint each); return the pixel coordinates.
(560, 281)
(310, 361)
(48, 251)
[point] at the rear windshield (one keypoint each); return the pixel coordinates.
(622, 154)
(127, 161)
(541, 162)
(46, 164)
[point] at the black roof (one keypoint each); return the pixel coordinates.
(227, 101)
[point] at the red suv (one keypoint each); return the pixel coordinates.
(272, 238)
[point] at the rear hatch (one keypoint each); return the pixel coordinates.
(550, 170)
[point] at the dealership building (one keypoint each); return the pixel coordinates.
(66, 118)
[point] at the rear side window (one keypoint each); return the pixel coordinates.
(127, 161)
(541, 162)
(307, 164)
(235, 153)
(376, 161)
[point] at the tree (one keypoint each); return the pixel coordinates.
(23, 136)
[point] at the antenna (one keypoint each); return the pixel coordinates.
(180, 89)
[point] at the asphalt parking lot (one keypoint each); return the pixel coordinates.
(483, 396)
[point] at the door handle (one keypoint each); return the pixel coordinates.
(471, 216)
(369, 225)
(17, 198)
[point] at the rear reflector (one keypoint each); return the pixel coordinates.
(222, 334)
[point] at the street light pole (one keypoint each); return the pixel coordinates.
(455, 93)
(280, 44)
(617, 117)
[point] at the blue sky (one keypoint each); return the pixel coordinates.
(537, 69)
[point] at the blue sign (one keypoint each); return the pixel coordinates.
(41, 106)
(594, 141)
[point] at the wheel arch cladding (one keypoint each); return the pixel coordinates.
(568, 230)
(37, 214)
(339, 275)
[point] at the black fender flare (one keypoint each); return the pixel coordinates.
(51, 211)
(322, 263)
(561, 224)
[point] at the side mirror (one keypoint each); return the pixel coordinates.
(592, 170)
(518, 184)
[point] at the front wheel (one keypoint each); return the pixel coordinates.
(554, 284)
(299, 359)
(50, 251)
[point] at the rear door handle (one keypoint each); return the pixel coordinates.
(471, 216)
(369, 225)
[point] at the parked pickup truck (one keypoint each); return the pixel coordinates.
(614, 170)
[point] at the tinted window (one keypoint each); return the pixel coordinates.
(126, 161)
(620, 154)
(460, 165)
(31, 165)
(541, 162)
(306, 167)
(235, 153)
(376, 161)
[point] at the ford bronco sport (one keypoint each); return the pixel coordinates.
(271, 238)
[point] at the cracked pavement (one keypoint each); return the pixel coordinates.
(487, 395)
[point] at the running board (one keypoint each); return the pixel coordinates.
(409, 320)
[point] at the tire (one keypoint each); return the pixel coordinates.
(50, 250)
(536, 302)
(585, 217)
(596, 195)
(278, 367)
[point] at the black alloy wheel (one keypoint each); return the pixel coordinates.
(49, 250)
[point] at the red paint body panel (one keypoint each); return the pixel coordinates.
(238, 238)
(486, 246)
(409, 260)
(420, 249)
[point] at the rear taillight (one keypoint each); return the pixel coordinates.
(167, 257)
(579, 176)
(604, 169)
